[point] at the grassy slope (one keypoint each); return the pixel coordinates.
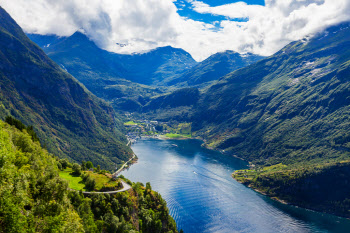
(175, 135)
(74, 182)
(130, 123)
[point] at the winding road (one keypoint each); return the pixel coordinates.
(115, 174)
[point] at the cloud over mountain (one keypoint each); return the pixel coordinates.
(140, 25)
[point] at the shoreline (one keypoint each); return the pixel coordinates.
(273, 198)
(265, 194)
(176, 138)
(280, 201)
(122, 168)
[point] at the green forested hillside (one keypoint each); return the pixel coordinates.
(127, 81)
(213, 68)
(177, 105)
(291, 107)
(88, 63)
(322, 187)
(34, 199)
(70, 121)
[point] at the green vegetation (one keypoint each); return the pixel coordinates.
(289, 108)
(130, 123)
(33, 197)
(292, 109)
(174, 135)
(103, 182)
(75, 182)
(19, 125)
(70, 121)
(174, 106)
(321, 187)
(213, 68)
(81, 179)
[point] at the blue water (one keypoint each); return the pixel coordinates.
(202, 196)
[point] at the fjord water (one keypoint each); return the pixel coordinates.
(202, 196)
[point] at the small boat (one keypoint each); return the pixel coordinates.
(175, 145)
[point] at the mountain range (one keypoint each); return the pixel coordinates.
(80, 56)
(286, 114)
(213, 68)
(129, 81)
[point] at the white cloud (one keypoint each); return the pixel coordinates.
(146, 24)
(279, 22)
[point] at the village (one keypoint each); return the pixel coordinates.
(138, 128)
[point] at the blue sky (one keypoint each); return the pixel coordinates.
(185, 9)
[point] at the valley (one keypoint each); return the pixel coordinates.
(54, 131)
(289, 108)
(234, 142)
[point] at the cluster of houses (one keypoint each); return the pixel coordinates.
(144, 127)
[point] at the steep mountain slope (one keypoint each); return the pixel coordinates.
(84, 60)
(160, 64)
(289, 107)
(117, 78)
(71, 121)
(214, 67)
(291, 111)
(177, 105)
